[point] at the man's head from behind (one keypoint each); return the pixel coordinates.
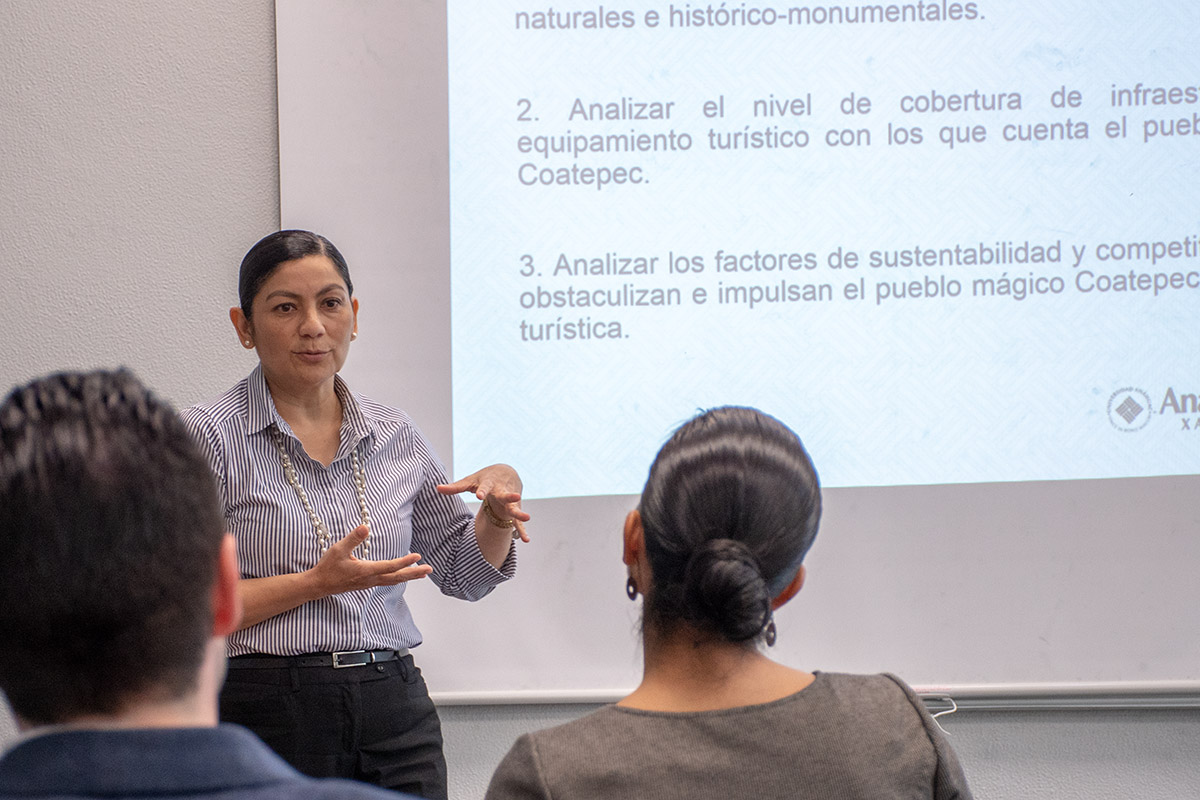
(111, 546)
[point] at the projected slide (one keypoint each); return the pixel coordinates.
(947, 242)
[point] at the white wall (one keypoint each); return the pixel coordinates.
(138, 161)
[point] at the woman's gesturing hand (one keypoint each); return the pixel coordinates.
(339, 570)
(499, 488)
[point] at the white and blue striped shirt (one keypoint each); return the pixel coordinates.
(275, 535)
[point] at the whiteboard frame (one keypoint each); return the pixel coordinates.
(967, 697)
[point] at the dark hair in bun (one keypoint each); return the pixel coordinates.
(731, 506)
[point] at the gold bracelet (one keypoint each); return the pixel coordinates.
(495, 520)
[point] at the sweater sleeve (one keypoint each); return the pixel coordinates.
(519, 776)
(949, 781)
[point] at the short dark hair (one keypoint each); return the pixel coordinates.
(280, 247)
(110, 531)
(730, 508)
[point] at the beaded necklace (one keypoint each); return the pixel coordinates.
(360, 489)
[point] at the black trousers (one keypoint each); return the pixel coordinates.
(373, 723)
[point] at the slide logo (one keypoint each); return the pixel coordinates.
(1129, 409)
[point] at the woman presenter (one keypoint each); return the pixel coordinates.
(337, 502)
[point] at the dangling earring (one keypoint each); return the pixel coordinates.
(771, 633)
(631, 588)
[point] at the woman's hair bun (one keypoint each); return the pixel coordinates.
(730, 507)
(724, 589)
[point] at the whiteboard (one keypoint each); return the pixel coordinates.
(1043, 583)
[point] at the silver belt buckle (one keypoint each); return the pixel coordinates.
(337, 661)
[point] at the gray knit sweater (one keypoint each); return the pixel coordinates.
(844, 737)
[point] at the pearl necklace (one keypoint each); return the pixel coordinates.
(360, 489)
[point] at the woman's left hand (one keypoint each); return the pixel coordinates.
(499, 486)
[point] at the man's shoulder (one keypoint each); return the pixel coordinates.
(226, 762)
(306, 788)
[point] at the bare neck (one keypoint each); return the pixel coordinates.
(686, 671)
(307, 406)
(314, 415)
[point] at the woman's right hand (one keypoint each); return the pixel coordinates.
(339, 570)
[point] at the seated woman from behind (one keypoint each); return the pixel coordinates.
(730, 508)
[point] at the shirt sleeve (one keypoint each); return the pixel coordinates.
(443, 532)
(519, 776)
(206, 437)
(949, 781)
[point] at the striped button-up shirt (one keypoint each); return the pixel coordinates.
(275, 534)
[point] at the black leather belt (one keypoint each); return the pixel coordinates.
(338, 660)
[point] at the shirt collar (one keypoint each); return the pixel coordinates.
(261, 413)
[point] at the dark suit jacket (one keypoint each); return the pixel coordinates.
(225, 762)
